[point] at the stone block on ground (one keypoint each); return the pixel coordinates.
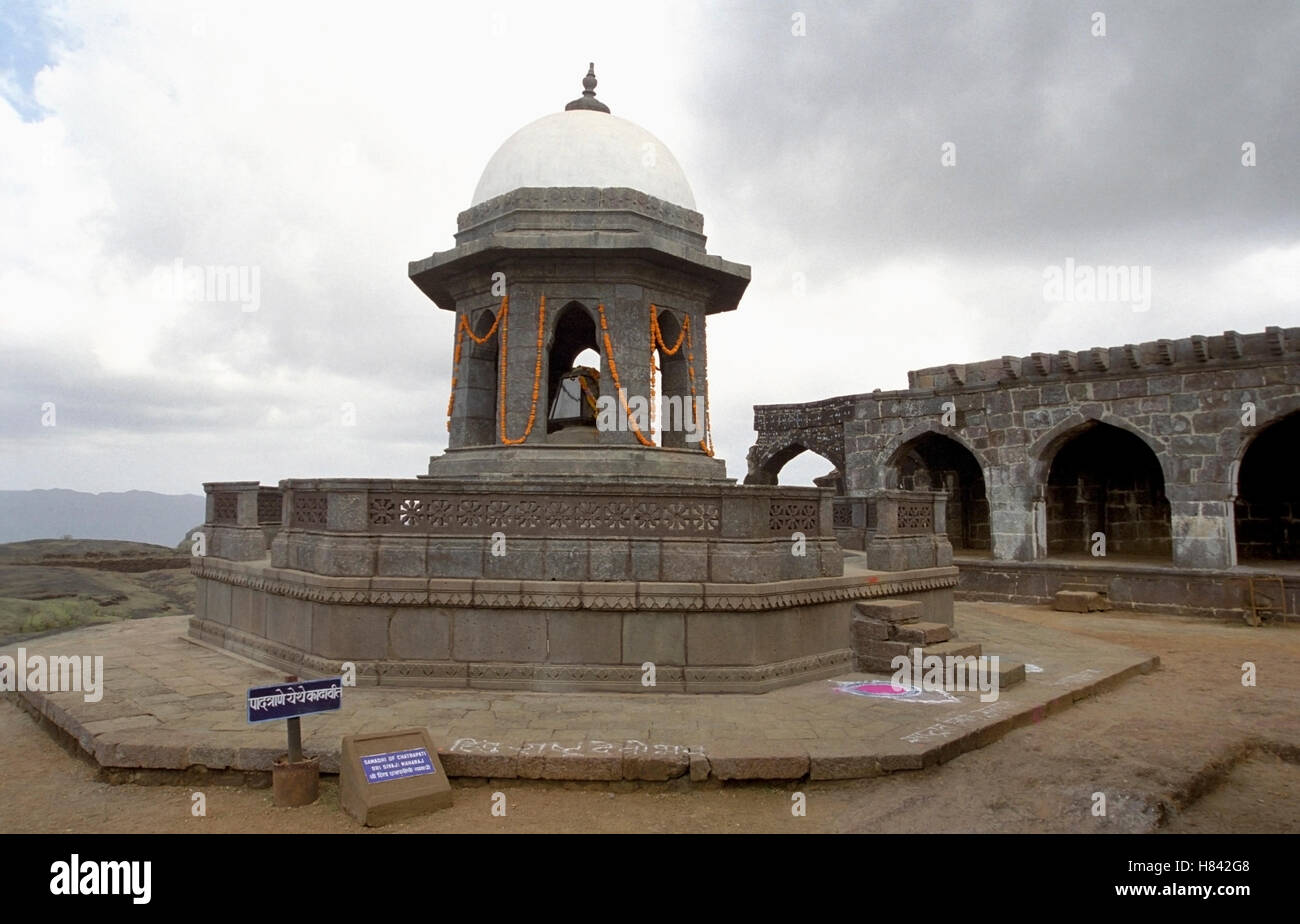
(953, 650)
(890, 610)
(1080, 601)
(921, 633)
(1010, 673)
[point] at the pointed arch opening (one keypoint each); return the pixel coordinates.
(678, 423)
(1105, 480)
(934, 462)
(573, 337)
(1266, 514)
(811, 468)
(480, 374)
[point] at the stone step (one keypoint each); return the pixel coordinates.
(869, 630)
(953, 649)
(1080, 601)
(878, 655)
(1010, 673)
(920, 633)
(881, 652)
(890, 610)
(1085, 586)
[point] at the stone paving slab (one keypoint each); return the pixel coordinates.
(171, 703)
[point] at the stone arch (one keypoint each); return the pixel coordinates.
(572, 330)
(897, 444)
(1042, 450)
(933, 459)
(1267, 413)
(1104, 478)
(1266, 508)
(767, 459)
(480, 377)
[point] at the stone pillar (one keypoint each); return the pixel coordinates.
(1014, 531)
(521, 364)
(232, 520)
(473, 421)
(905, 530)
(1201, 523)
(627, 316)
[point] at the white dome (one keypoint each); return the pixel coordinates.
(580, 147)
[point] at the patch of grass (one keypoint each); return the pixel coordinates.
(21, 618)
(35, 599)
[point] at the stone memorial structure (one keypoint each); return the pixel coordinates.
(566, 540)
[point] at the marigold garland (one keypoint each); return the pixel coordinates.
(463, 328)
(537, 377)
(613, 374)
(586, 393)
(657, 337)
(501, 322)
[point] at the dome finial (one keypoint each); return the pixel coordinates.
(588, 99)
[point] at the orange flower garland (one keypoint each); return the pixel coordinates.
(501, 322)
(462, 329)
(657, 337)
(586, 393)
(537, 377)
(613, 374)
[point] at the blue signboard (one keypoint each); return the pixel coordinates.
(286, 700)
(397, 765)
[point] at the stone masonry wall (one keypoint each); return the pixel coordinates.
(1196, 403)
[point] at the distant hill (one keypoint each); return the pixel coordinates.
(75, 552)
(50, 585)
(139, 516)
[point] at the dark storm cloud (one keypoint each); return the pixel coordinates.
(1062, 138)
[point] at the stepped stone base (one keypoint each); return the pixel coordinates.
(546, 635)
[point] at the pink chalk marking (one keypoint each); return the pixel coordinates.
(878, 688)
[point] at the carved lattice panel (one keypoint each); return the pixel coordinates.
(225, 508)
(309, 509)
(268, 508)
(523, 515)
(916, 517)
(793, 516)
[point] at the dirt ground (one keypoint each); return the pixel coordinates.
(1187, 748)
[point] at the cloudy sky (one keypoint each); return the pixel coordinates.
(325, 147)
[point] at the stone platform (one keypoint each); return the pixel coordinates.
(546, 584)
(547, 635)
(171, 703)
(1127, 583)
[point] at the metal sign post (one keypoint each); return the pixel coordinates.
(296, 781)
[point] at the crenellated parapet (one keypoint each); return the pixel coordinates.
(1187, 354)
